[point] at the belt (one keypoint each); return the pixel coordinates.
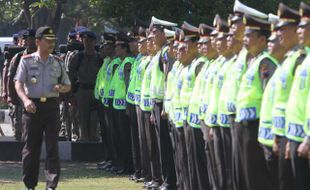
(44, 99)
(89, 86)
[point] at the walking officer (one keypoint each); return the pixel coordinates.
(39, 79)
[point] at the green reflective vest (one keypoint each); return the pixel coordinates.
(157, 84)
(146, 101)
(139, 77)
(196, 98)
(282, 90)
(295, 114)
(188, 85)
(207, 81)
(119, 86)
(173, 73)
(130, 97)
(176, 108)
(232, 84)
(218, 91)
(250, 94)
(265, 135)
(211, 115)
(107, 92)
(99, 87)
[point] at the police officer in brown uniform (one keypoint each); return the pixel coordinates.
(39, 79)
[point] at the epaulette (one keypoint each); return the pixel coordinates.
(27, 56)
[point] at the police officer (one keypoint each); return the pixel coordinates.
(39, 80)
(83, 71)
(29, 38)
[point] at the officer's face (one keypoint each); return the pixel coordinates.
(213, 41)
(252, 41)
(142, 47)
(159, 36)
(133, 45)
(286, 35)
(88, 42)
(181, 55)
(238, 30)
(221, 45)
(119, 50)
(304, 35)
(206, 48)
(46, 45)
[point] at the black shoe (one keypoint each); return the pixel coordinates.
(103, 167)
(32, 188)
(102, 163)
(140, 180)
(154, 186)
(50, 188)
(146, 184)
(167, 188)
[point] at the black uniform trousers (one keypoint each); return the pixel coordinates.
(165, 147)
(237, 167)
(123, 133)
(209, 152)
(172, 135)
(44, 123)
(103, 131)
(200, 158)
(252, 156)
(272, 166)
(144, 153)
(111, 120)
(181, 160)
(300, 166)
(153, 149)
(135, 146)
(227, 157)
(285, 167)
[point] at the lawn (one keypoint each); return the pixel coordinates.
(74, 176)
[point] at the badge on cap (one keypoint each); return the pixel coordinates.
(33, 80)
(50, 31)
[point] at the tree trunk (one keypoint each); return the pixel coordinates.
(27, 12)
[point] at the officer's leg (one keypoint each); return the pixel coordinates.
(219, 157)
(227, 156)
(285, 167)
(153, 150)
(209, 152)
(108, 138)
(301, 170)
(103, 130)
(165, 148)
(62, 131)
(32, 135)
(174, 143)
(19, 113)
(84, 112)
(272, 166)
(94, 120)
(183, 159)
(124, 129)
(200, 160)
(145, 160)
(253, 158)
(52, 163)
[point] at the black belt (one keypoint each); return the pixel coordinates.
(44, 99)
(87, 86)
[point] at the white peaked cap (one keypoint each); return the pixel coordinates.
(239, 7)
(156, 21)
(169, 33)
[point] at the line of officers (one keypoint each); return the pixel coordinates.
(211, 107)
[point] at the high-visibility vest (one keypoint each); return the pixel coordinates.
(157, 83)
(107, 92)
(99, 87)
(295, 113)
(130, 97)
(189, 77)
(170, 87)
(207, 81)
(139, 77)
(119, 86)
(265, 135)
(146, 103)
(232, 84)
(282, 90)
(196, 98)
(219, 90)
(250, 94)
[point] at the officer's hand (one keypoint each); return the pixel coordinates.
(303, 150)
(58, 88)
(287, 151)
(152, 119)
(275, 147)
(30, 106)
(164, 114)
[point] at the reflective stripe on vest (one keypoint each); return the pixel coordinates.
(282, 87)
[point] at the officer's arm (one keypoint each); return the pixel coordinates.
(72, 68)
(65, 85)
(266, 70)
(127, 68)
(20, 79)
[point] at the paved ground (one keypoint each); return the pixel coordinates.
(6, 129)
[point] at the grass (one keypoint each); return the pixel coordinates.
(74, 176)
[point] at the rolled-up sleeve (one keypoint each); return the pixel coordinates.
(21, 73)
